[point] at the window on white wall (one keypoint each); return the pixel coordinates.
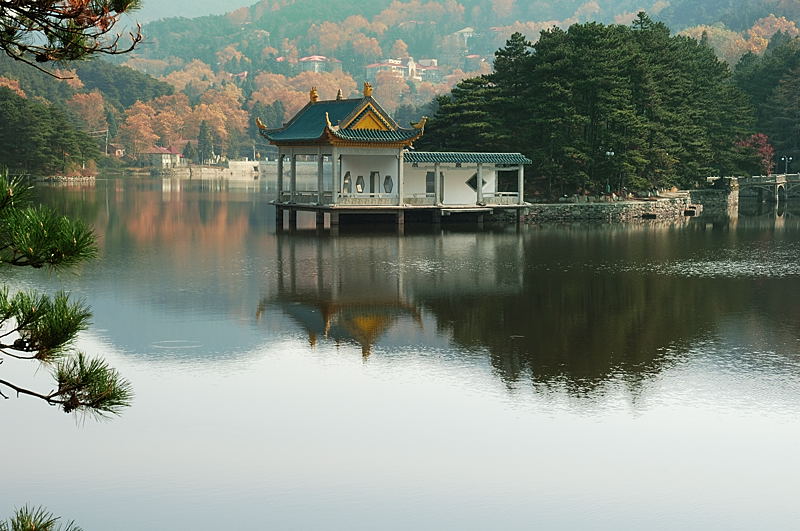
(430, 184)
(388, 184)
(374, 181)
(360, 184)
(347, 183)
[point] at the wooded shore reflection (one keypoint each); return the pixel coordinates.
(572, 306)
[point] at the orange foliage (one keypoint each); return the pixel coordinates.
(136, 133)
(70, 77)
(168, 126)
(293, 92)
(327, 83)
(214, 117)
(729, 45)
(763, 30)
(390, 90)
(196, 73)
(330, 36)
(399, 49)
(90, 109)
(12, 84)
(367, 47)
(178, 103)
(230, 54)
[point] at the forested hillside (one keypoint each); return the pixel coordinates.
(210, 76)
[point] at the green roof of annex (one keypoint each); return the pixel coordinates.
(459, 157)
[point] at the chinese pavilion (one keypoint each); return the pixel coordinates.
(374, 169)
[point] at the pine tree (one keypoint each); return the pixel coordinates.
(205, 143)
(598, 107)
(190, 152)
(39, 328)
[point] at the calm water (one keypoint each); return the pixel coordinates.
(553, 378)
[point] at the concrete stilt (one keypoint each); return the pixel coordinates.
(334, 217)
(292, 219)
(480, 221)
(278, 218)
(320, 219)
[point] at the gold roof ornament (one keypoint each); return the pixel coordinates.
(420, 124)
(339, 95)
(260, 124)
(313, 95)
(329, 124)
(367, 89)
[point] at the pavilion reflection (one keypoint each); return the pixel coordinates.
(359, 289)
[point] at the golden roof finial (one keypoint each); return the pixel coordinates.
(313, 95)
(367, 89)
(339, 95)
(420, 124)
(260, 124)
(329, 124)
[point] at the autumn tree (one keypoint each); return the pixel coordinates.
(13, 85)
(137, 133)
(757, 147)
(390, 89)
(89, 108)
(399, 49)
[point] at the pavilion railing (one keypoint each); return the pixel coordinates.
(501, 198)
(306, 197)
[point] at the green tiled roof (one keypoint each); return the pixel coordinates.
(465, 157)
(309, 123)
(375, 135)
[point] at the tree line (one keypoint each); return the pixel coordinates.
(611, 107)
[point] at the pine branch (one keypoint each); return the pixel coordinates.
(86, 385)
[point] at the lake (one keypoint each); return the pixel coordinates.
(562, 377)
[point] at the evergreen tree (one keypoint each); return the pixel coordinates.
(36, 519)
(40, 139)
(770, 84)
(190, 152)
(41, 328)
(601, 107)
(205, 143)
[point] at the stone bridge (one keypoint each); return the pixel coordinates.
(770, 188)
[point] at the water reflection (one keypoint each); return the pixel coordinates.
(203, 275)
(569, 307)
(564, 377)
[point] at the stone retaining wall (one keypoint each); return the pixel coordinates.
(716, 201)
(621, 211)
(242, 171)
